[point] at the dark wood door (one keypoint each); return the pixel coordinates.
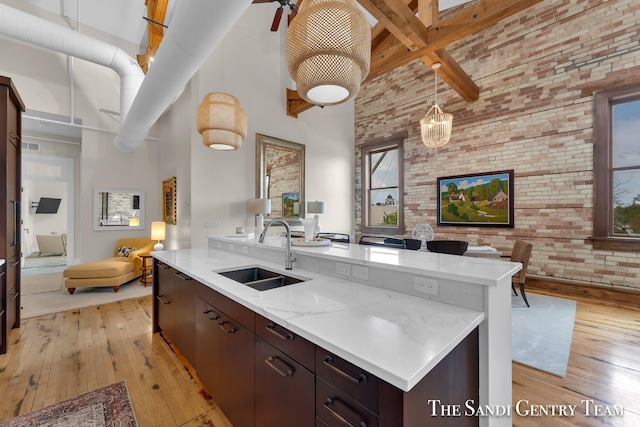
(184, 323)
(284, 390)
(11, 107)
(164, 300)
(207, 361)
(3, 316)
(235, 392)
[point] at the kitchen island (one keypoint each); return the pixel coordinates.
(361, 304)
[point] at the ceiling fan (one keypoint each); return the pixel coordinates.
(278, 15)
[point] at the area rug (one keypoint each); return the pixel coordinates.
(541, 334)
(41, 283)
(108, 406)
(33, 305)
(35, 261)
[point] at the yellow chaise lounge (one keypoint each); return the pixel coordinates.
(124, 266)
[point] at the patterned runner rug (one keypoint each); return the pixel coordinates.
(105, 407)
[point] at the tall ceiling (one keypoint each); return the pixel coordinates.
(124, 18)
(402, 31)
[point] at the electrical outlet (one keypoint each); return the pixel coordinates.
(343, 269)
(360, 272)
(245, 249)
(426, 285)
(215, 223)
(232, 247)
(219, 245)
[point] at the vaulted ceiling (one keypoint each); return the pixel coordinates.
(402, 31)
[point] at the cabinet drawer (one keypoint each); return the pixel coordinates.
(356, 383)
(284, 389)
(234, 310)
(336, 409)
(294, 346)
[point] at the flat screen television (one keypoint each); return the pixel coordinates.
(48, 205)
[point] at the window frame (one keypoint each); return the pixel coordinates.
(603, 237)
(393, 142)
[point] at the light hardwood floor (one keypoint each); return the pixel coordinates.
(57, 357)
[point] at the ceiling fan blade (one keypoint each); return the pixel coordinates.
(276, 19)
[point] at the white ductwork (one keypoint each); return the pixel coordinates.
(195, 30)
(31, 29)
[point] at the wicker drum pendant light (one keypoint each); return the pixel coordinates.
(435, 127)
(221, 121)
(328, 50)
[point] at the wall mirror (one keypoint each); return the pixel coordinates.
(280, 177)
(117, 209)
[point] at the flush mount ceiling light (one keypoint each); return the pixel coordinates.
(436, 126)
(221, 121)
(328, 50)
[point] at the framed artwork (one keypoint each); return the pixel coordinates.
(478, 200)
(289, 202)
(169, 207)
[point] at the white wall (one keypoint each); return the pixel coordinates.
(250, 64)
(43, 80)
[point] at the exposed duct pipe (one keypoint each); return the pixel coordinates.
(31, 29)
(195, 30)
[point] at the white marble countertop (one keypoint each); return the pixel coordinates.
(397, 337)
(480, 271)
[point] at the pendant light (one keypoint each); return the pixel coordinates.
(221, 121)
(435, 127)
(328, 50)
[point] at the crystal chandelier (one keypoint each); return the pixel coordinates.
(435, 127)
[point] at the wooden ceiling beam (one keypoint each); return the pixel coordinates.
(467, 21)
(453, 74)
(156, 11)
(295, 104)
(400, 20)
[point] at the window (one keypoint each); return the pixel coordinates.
(382, 187)
(617, 169)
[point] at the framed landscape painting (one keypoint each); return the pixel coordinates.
(478, 200)
(288, 204)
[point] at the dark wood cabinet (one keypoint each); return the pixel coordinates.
(284, 389)
(175, 308)
(11, 108)
(264, 375)
(207, 359)
(224, 354)
(236, 371)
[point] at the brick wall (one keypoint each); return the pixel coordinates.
(531, 117)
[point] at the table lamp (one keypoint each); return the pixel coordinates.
(259, 207)
(158, 231)
(316, 208)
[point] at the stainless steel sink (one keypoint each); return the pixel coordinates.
(259, 278)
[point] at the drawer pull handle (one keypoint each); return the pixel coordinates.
(271, 327)
(361, 379)
(328, 406)
(216, 316)
(182, 276)
(15, 263)
(15, 296)
(166, 299)
(229, 331)
(163, 265)
(1, 313)
(289, 372)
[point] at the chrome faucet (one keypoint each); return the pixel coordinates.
(289, 259)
